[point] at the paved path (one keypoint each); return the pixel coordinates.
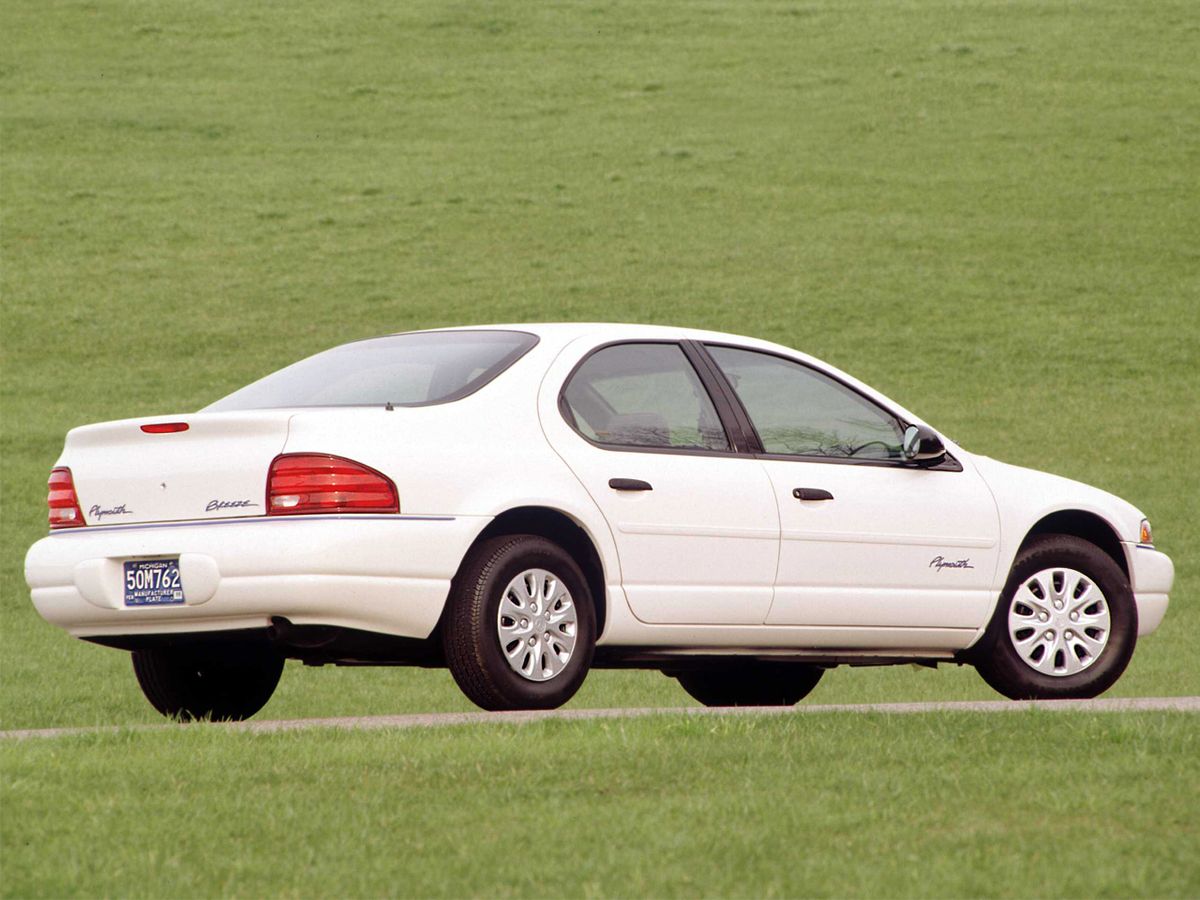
(434, 720)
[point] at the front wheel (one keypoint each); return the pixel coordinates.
(751, 683)
(521, 628)
(217, 683)
(1065, 627)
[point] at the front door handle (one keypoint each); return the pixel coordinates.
(811, 494)
(629, 484)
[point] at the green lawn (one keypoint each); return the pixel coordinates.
(1016, 805)
(990, 211)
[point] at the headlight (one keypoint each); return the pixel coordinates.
(1145, 535)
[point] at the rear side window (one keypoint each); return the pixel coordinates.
(643, 395)
(402, 369)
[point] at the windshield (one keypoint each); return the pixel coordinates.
(403, 369)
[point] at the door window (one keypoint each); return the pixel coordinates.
(798, 411)
(643, 395)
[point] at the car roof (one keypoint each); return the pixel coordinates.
(564, 332)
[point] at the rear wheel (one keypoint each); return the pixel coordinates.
(521, 627)
(1065, 627)
(218, 683)
(751, 683)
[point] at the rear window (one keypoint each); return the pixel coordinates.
(402, 369)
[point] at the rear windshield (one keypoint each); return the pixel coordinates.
(402, 369)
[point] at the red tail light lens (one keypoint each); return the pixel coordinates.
(165, 428)
(62, 500)
(306, 483)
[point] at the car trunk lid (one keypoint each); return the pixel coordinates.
(175, 468)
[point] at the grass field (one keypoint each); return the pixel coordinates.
(990, 211)
(820, 805)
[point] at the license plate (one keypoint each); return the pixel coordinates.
(152, 582)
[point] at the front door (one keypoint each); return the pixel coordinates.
(696, 527)
(866, 539)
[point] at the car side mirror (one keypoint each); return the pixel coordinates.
(922, 445)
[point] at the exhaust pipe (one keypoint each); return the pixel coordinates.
(300, 637)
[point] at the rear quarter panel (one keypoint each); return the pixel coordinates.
(478, 456)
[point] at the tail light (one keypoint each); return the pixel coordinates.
(63, 501)
(305, 483)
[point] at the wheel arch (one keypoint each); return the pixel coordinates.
(1084, 525)
(564, 530)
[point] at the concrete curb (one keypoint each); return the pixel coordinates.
(438, 720)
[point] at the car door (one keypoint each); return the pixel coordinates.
(695, 524)
(866, 538)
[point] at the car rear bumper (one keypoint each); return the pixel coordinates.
(388, 574)
(1151, 575)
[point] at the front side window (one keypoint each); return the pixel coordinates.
(402, 369)
(643, 395)
(798, 411)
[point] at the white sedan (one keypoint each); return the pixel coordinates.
(522, 503)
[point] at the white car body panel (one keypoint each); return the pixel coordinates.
(701, 547)
(713, 558)
(221, 455)
(323, 570)
(1152, 576)
(896, 547)
(1026, 496)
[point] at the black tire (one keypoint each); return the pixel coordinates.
(751, 683)
(217, 683)
(1002, 667)
(470, 635)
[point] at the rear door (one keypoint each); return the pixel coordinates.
(695, 525)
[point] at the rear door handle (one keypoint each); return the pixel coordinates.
(811, 494)
(629, 484)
